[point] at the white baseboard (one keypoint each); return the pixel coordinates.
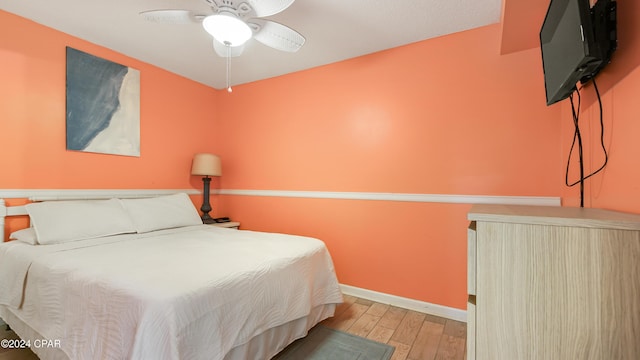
(406, 303)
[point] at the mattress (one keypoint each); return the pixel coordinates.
(188, 293)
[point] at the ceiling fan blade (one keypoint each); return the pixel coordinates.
(222, 50)
(269, 7)
(169, 16)
(277, 36)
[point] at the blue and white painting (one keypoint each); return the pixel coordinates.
(103, 105)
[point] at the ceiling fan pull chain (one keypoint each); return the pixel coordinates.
(228, 45)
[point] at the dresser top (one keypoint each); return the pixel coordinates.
(555, 215)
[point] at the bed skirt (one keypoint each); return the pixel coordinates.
(263, 346)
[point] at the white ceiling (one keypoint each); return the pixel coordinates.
(335, 30)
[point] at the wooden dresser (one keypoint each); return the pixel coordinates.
(553, 283)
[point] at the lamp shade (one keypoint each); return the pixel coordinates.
(206, 165)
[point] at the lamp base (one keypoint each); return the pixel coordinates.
(206, 219)
(206, 207)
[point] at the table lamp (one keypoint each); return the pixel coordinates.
(206, 165)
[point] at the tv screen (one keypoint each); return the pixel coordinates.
(576, 43)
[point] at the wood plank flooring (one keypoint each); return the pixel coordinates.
(416, 336)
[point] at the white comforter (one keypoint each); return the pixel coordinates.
(188, 293)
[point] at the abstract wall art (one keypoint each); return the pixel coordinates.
(103, 105)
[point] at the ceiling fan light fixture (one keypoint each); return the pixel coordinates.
(227, 28)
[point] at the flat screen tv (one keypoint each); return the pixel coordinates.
(576, 41)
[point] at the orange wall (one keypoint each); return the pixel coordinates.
(173, 117)
(177, 117)
(444, 116)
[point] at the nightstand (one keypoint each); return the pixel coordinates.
(228, 224)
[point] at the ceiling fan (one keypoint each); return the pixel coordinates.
(234, 22)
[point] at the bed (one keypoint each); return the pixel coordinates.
(145, 279)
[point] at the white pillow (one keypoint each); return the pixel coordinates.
(63, 221)
(163, 212)
(27, 235)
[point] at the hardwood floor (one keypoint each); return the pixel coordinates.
(416, 336)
